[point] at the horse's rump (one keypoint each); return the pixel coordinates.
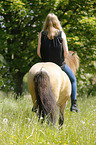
(49, 86)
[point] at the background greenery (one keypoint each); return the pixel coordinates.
(20, 23)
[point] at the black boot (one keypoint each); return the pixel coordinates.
(74, 106)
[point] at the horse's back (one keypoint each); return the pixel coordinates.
(48, 66)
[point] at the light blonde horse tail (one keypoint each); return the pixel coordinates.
(45, 99)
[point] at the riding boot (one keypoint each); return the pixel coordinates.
(74, 106)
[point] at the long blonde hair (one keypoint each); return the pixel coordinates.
(52, 22)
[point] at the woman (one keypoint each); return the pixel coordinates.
(52, 47)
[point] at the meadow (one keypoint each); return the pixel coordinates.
(20, 126)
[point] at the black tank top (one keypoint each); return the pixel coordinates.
(52, 50)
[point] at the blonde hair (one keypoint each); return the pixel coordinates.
(52, 22)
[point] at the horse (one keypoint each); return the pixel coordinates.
(50, 87)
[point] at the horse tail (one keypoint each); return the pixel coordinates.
(45, 99)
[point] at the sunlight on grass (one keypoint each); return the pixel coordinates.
(18, 125)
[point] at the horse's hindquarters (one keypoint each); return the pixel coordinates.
(65, 91)
(59, 84)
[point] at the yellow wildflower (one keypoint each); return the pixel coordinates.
(12, 136)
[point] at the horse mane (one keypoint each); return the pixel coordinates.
(72, 60)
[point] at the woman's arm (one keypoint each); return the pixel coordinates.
(65, 46)
(39, 45)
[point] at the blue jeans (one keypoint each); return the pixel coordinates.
(72, 77)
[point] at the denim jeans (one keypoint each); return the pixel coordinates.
(72, 77)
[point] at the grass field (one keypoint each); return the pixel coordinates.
(20, 126)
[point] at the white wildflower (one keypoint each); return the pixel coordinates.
(5, 120)
(82, 122)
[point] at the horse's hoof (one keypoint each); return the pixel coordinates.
(33, 109)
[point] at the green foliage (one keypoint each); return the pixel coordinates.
(79, 22)
(20, 24)
(22, 20)
(18, 125)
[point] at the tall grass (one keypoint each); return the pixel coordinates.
(20, 126)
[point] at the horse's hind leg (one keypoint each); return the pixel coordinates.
(61, 119)
(61, 115)
(34, 110)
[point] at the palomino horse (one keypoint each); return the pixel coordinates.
(50, 87)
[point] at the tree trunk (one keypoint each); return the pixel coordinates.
(18, 83)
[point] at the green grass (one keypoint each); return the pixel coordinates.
(20, 126)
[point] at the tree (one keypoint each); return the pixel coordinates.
(22, 20)
(79, 21)
(20, 23)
